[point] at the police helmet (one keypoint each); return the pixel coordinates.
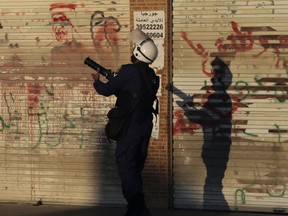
(146, 51)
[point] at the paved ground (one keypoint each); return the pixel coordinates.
(10, 209)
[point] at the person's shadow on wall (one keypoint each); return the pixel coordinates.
(215, 118)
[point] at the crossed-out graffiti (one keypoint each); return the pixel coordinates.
(68, 52)
(242, 40)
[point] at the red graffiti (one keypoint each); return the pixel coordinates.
(198, 49)
(241, 40)
(34, 90)
(62, 25)
(64, 30)
(107, 32)
(208, 74)
(62, 5)
(182, 125)
(104, 29)
(61, 31)
(106, 40)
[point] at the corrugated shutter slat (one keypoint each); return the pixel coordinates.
(251, 37)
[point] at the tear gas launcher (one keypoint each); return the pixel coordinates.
(107, 73)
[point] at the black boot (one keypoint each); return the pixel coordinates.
(130, 213)
(143, 212)
(135, 205)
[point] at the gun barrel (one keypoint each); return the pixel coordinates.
(103, 71)
(88, 61)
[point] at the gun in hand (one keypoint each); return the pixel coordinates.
(108, 74)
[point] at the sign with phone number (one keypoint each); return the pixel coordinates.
(150, 22)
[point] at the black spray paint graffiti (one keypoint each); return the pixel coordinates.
(4, 40)
(104, 34)
(104, 28)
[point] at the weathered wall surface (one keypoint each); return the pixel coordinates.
(52, 143)
(230, 145)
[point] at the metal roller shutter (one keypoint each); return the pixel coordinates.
(238, 163)
(52, 142)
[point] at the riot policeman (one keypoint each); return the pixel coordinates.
(131, 150)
